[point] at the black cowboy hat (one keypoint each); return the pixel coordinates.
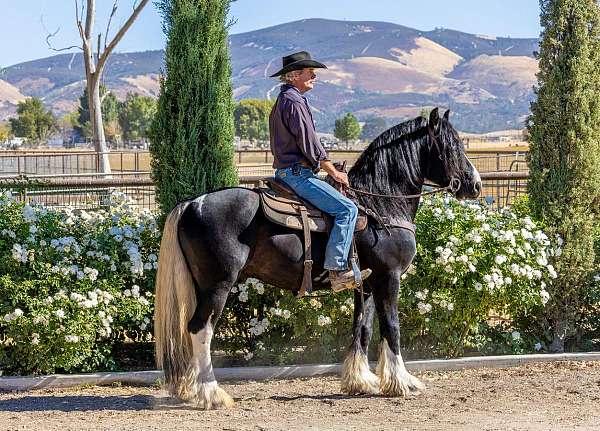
(298, 61)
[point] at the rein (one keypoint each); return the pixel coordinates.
(453, 187)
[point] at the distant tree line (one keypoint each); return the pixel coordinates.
(128, 120)
(251, 119)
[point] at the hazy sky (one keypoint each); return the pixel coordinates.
(22, 32)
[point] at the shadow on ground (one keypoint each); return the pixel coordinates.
(75, 403)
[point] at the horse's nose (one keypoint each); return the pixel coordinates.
(477, 187)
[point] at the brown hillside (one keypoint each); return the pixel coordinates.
(500, 75)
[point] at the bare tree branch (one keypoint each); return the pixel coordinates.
(112, 14)
(51, 35)
(120, 34)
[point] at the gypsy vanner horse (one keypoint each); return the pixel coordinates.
(211, 241)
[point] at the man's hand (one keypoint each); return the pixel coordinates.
(340, 177)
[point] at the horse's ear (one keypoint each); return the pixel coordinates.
(434, 118)
(447, 115)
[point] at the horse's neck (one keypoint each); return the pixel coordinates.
(393, 208)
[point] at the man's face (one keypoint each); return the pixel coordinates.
(305, 79)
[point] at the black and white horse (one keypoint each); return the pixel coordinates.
(211, 241)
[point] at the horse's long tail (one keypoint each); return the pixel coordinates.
(175, 303)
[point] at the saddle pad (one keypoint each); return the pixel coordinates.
(285, 212)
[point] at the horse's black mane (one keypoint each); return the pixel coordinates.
(390, 161)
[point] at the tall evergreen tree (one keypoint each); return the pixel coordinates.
(564, 157)
(192, 133)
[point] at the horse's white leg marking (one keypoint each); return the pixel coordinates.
(394, 379)
(357, 377)
(201, 384)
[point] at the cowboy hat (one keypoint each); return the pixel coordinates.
(298, 61)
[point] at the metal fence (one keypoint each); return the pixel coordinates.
(70, 162)
(90, 192)
(249, 162)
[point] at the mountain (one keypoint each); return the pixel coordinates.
(374, 68)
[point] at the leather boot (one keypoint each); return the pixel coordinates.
(342, 280)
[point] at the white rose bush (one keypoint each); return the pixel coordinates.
(73, 283)
(76, 291)
(476, 272)
(271, 326)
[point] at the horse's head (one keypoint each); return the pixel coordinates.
(447, 164)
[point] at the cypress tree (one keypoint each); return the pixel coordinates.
(192, 133)
(564, 156)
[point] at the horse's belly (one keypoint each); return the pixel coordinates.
(278, 258)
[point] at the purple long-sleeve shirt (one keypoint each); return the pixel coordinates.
(293, 136)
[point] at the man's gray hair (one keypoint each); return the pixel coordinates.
(287, 78)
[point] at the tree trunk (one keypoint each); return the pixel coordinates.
(559, 335)
(95, 105)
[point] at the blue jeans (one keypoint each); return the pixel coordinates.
(316, 191)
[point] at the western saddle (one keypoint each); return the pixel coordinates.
(283, 206)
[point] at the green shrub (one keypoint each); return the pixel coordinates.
(73, 283)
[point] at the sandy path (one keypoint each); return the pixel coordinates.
(552, 396)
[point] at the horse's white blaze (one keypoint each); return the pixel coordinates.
(201, 386)
(395, 380)
(476, 176)
(357, 377)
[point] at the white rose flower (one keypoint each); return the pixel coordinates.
(243, 296)
(545, 296)
(516, 335)
(478, 287)
(323, 320)
(260, 288)
(35, 338)
(286, 314)
(72, 338)
(424, 307)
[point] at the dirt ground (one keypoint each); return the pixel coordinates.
(552, 396)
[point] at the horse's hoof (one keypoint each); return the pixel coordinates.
(357, 377)
(211, 397)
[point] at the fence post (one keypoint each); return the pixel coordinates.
(497, 181)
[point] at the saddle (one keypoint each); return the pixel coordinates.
(282, 206)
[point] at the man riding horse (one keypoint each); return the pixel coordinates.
(298, 155)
